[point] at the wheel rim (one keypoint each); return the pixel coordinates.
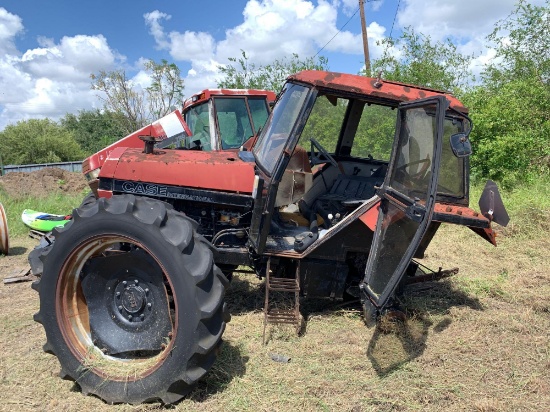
(4, 241)
(80, 321)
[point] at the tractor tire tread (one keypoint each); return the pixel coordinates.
(195, 253)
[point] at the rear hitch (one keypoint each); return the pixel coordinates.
(417, 273)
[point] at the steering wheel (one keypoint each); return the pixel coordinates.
(426, 164)
(315, 159)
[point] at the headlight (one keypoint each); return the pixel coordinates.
(93, 174)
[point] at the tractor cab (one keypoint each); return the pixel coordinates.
(352, 168)
(222, 119)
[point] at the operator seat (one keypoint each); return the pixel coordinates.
(296, 180)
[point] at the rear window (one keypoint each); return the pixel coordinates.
(451, 169)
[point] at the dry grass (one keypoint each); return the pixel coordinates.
(476, 342)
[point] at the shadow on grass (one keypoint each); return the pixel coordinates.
(17, 250)
(229, 364)
(395, 343)
(245, 294)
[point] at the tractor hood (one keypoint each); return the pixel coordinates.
(142, 173)
(169, 127)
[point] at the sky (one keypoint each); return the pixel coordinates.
(48, 49)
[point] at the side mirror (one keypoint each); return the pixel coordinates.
(461, 145)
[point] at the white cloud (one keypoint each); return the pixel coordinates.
(271, 29)
(459, 20)
(52, 79)
(44, 41)
(349, 7)
(10, 26)
(185, 46)
(153, 21)
(191, 45)
(276, 28)
(376, 5)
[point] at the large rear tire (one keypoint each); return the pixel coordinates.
(131, 301)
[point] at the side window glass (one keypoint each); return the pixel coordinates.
(198, 121)
(375, 133)
(415, 152)
(259, 112)
(196, 117)
(324, 122)
(451, 169)
(233, 121)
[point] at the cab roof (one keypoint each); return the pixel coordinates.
(384, 90)
(206, 94)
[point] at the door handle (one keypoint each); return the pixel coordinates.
(415, 212)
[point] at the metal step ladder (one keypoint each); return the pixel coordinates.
(289, 313)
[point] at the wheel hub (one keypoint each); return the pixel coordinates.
(133, 299)
(127, 303)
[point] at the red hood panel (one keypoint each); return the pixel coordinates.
(222, 171)
(168, 126)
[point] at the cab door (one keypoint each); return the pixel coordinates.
(407, 199)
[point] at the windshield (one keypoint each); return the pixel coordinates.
(233, 121)
(279, 126)
(198, 120)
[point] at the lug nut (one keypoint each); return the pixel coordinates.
(120, 307)
(130, 317)
(136, 281)
(118, 294)
(149, 304)
(146, 290)
(142, 316)
(124, 282)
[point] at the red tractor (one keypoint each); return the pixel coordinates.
(348, 181)
(214, 119)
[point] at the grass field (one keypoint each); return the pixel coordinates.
(478, 341)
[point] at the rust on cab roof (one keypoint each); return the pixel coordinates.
(377, 88)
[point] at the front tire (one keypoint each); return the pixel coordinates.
(131, 301)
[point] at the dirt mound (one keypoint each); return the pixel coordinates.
(42, 182)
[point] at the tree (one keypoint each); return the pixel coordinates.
(422, 62)
(140, 106)
(94, 129)
(38, 141)
(240, 73)
(522, 46)
(119, 96)
(166, 89)
(511, 109)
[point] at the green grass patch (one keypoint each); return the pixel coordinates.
(484, 287)
(56, 203)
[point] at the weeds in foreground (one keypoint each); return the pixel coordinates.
(55, 203)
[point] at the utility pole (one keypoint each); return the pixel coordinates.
(365, 38)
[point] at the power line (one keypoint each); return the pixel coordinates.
(394, 17)
(345, 24)
(341, 28)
